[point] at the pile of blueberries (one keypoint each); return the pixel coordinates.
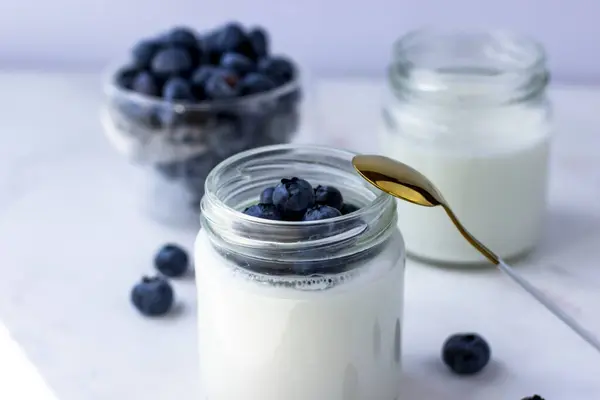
(295, 199)
(216, 79)
(154, 296)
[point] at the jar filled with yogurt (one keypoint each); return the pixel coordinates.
(470, 112)
(298, 310)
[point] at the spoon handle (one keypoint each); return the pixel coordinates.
(550, 305)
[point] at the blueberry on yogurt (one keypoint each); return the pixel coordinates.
(171, 260)
(466, 353)
(265, 211)
(320, 212)
(153, 296)
(266, 196)
(329, 196)
(348, 208)
(293, 197)
(296, 200)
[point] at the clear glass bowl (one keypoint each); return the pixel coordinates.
(179, 143)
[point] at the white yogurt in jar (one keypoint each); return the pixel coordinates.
(261, 340)
(469, 111)
(490, 165)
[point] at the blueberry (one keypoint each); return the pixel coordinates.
(153, 296)
(293, 197)
(177, 89)
(221, 85)
(279, 69)
(266, 197)
(172, 61)
(260, 41)
(319, 212)
(145, 83)
(182, 36)
(211, 55)
(329, 196)
(265, 211)
(125, 76)
(199, 78)
(171, 260)
(238, 63)
(255, 83)
(143, 52)
(232, 38)
(466, 353)
(534, 397)
(201, 75)
(348, 208)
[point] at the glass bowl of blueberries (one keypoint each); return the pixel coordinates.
(185, 101)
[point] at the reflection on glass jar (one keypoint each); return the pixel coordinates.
(297, 310)
(469, 111)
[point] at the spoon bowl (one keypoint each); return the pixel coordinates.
(398, 179)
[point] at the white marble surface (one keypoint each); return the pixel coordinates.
(73, 239)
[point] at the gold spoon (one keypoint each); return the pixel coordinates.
(403, 182)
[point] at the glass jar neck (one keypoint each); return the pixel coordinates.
(237, 183)
(467, 69)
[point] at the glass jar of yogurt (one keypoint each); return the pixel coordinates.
(297, 310)
(470, 112)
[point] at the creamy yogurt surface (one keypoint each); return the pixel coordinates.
(335, 337)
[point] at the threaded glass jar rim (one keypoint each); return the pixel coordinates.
(497, 66)
(231, 184)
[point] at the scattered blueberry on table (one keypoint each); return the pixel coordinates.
(466, 353)
(152, 296)
(218, 91)
(295, 199)
(171, 260)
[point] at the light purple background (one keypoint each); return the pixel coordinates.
(329, 36)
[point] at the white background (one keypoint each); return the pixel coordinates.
(328, 36)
